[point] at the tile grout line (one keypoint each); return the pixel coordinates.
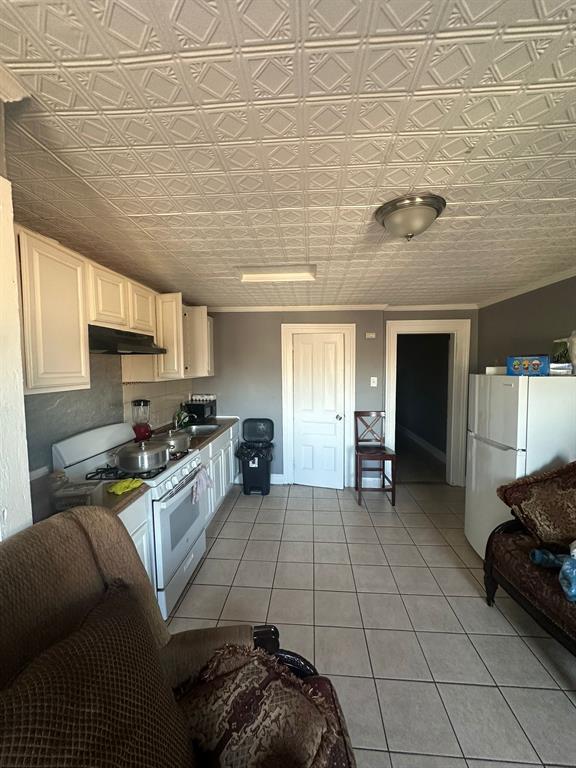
(375, 687)
(442, 700)
(432, 680)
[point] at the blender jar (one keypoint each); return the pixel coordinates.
(141, 419)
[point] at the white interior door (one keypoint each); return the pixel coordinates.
(319, 409)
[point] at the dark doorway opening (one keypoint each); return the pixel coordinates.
(422, 406)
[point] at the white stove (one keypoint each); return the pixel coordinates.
(86, 453)
(176, 517)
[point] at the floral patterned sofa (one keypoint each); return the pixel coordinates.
(544, 509)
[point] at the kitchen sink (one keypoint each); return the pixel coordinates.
(201, 429)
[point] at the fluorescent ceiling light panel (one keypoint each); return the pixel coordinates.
(295, 273)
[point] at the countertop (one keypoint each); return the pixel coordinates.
(117, 504)
(200, 442)
(40, 488)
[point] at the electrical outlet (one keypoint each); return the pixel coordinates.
(370, 335)
(373, 381)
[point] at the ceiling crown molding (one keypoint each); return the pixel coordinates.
(10, 87)
(557, 278)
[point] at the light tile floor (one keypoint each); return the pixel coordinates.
(389, 603)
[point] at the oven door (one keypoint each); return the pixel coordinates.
(178, 522)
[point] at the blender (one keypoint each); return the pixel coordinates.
(141, 420)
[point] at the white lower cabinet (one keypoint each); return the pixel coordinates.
(142, 538)
(137, 521)
(220, 462)
(217, 475)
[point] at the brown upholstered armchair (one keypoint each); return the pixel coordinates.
(54, 574)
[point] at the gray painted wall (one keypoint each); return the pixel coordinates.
(55, 416)
(422, 386)
(248, 382)
(248, 360)
(526, 324)
(248, 363)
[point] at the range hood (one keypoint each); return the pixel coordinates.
(107, 341)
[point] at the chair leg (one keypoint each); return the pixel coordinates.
(359, 479)
(393, 494)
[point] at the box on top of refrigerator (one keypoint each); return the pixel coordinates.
(528, 365)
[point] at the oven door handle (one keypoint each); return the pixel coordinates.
(179, 493)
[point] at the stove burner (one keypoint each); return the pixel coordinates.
(175, 455)
(115, 473)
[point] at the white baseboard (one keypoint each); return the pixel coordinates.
(40, 472)
(424, 444)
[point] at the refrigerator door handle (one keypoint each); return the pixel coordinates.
(494, 444)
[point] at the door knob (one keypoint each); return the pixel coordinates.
(338, 417)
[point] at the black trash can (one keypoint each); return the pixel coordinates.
(255, 453)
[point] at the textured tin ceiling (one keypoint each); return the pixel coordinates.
(178, 140)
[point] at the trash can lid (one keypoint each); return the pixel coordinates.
(258, 430)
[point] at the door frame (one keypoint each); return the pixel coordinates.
(288, 331)
(458, 369)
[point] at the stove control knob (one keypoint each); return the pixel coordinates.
(168, 484)
(186, 471)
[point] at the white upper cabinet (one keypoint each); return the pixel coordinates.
(55, 325)
(142, 309)
(109, 298)
(198, 342)
(169, 335)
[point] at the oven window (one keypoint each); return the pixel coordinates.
(181, 519)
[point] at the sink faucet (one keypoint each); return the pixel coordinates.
(182, 418)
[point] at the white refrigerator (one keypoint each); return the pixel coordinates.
(516, 426)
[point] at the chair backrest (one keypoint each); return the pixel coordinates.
(52, 575)
(369, 427)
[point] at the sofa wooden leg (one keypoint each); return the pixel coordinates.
(491, 586)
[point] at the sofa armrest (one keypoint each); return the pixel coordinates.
(187, 652)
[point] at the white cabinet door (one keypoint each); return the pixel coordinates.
(143, 542)
(142, 309)
(228, 458)
(217, 475)
(108, 298)
(236, 468)
(169, 336)
(55, 327)
(198, 346)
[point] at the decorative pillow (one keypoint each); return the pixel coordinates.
(97, 698)
(246, 709)
(545, 504)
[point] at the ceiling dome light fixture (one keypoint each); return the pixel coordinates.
(410, 215)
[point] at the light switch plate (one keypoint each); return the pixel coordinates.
(370, 335)
(373, 381)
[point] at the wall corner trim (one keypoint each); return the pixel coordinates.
(557, 278)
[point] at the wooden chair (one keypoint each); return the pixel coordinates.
(369, 446)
